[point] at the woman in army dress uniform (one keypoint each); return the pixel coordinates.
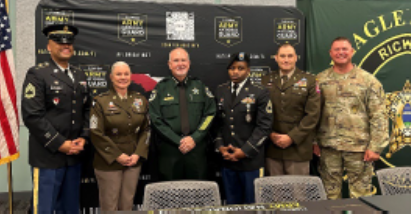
(120, 134)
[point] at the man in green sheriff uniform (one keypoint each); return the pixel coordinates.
(353, 128)
(181, 110)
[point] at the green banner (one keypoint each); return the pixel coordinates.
(380, 32)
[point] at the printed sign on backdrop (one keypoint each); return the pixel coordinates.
(142, 34)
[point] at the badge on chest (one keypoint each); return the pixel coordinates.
(248, 101)
(138, 103)
(112, 107)
(56, 101)
(301, 85)
(168, 98)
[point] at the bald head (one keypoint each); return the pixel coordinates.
(179, 63)
(178, 50)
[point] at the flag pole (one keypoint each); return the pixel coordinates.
(9, 176)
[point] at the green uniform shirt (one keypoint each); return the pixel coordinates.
(165, 109)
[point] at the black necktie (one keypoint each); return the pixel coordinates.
(185, 125)
(234, 92)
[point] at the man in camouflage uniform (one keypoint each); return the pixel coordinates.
(353, 128)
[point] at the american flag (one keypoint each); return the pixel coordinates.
(9, 122)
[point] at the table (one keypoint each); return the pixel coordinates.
(393, 204)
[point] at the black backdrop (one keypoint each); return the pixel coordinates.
(142, 34)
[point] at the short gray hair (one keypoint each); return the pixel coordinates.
(119, 63)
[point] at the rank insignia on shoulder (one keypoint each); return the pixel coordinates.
(29, 91)
(269, 107)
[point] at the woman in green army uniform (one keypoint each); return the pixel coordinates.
(120, 133)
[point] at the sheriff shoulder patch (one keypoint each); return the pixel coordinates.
(153, 95)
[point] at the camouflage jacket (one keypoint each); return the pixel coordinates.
(352, 117)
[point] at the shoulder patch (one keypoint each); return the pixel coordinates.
(29, 91)
(208, 92)
(269, 107)
(93, 121)
(153, 95)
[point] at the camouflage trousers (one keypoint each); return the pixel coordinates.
(358, 172)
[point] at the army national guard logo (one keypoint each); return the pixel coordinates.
(287, 30)
(228, 31)
(132, 28)
(97, 78)
(257, 72)
(398, 109)
(55, 16)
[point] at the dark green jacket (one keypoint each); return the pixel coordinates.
(165, 109)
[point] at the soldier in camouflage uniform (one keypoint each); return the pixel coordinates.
(353, 128)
